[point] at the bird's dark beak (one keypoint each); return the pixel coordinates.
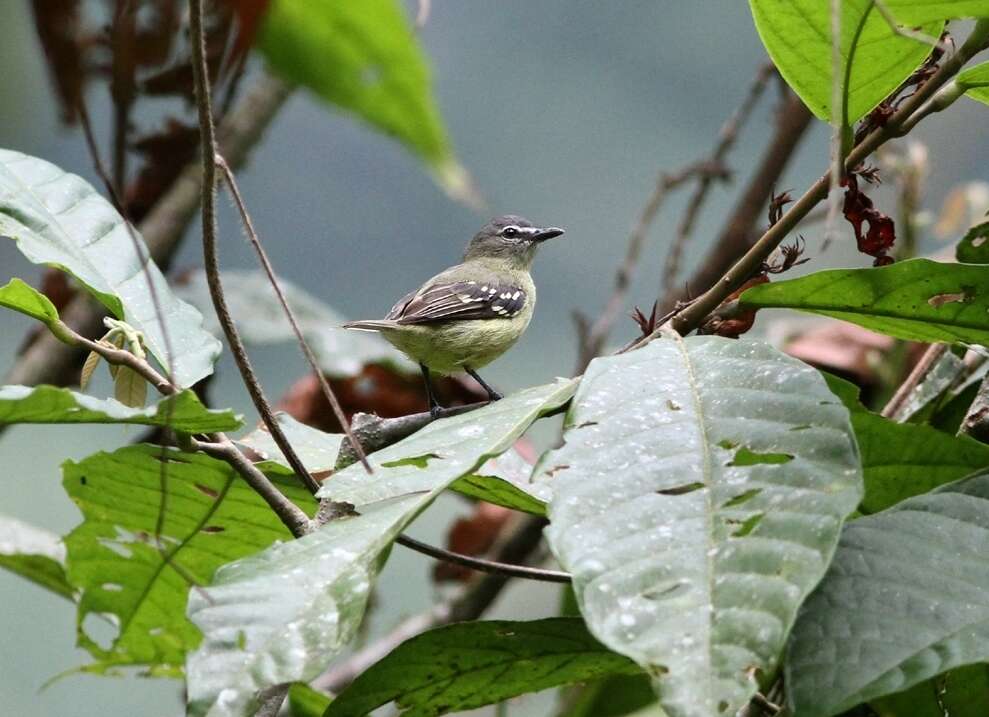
(547, 233)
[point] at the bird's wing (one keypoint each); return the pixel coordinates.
(457, 301)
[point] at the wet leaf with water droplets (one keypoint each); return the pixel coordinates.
(694, 534)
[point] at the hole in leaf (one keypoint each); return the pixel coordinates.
(112, 587)
(722, 706)
(82, 480)
(208, 491)
(417, 461)
(965, 296)
(241, 640)
(742, 497)
(682, 489)
(673, 405)
(554, 469)
(746, 526)
(727, 445)
(100, 628)
(213, 529)
(745, 457)
(118, 548)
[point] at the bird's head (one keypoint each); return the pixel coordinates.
(509, 237)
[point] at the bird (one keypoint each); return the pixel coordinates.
(470, 314)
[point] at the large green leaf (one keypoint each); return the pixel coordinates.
(915, 12)
(874, 59)
(58, 219)
(696, 501)
(27, 300)
(210, 518)
(962, 692)
(901, 460)
(974, 246)
(975, 82)
(283, 614)
(261, 320)
(48, 404)
(35, 554)
(364, 57)
(472, 664)
(917, 300)
(903, 601)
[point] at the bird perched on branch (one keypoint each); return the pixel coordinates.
(467, 316)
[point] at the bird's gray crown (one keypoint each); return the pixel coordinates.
(509, 236)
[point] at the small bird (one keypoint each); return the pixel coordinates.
(467, 316)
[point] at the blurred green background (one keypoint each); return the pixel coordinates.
(563, 111)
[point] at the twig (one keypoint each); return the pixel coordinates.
(736, 235)
(692, 316)
(269, 271)
(593, 336)
(210, 259)
(976, 421)
(46, 360)
(271, 700)
(726, 140)
(484, 566)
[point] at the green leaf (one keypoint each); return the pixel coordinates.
(500, 492)
(975, 82)
(35, 554)
(58, 219)
(472, 664)
(304, 701)
(963, 692)
(901, 460)
(614, 696)
(974, 246)
(875, 60)
(903, 601)
(340, 353)
(210, 518)
(379, 72)
(48, 404)
(283, 614)
(684, 558)
(916, 300)
(26, 299)
(916, 12)
(316, 449)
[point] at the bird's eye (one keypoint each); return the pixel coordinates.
(510, 232)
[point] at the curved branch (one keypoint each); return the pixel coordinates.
(485, 566)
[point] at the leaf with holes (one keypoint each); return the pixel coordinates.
(379, 72)
(261, 321)
(916, 300)
(874, 59)
(696, 508)
(48, 404)
(58, 219)
(903, 601)
(283, 614)
(472, 664)
(210, 518)
(34, 554)
(974, 246)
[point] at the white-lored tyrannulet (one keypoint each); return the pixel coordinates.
(467, 316)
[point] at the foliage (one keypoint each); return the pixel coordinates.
(469, 665)
(693, 561)
(698, 499)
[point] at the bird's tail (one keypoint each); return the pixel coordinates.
(371, 325)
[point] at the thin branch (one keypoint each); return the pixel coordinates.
(693, 316)
(726, 140)
(482, 565)
(255, 241)
(210, 259)
(736, 236)
(593, 336)
(976, 421)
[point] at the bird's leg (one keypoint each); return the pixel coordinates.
(434, 405)
(492, 394)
